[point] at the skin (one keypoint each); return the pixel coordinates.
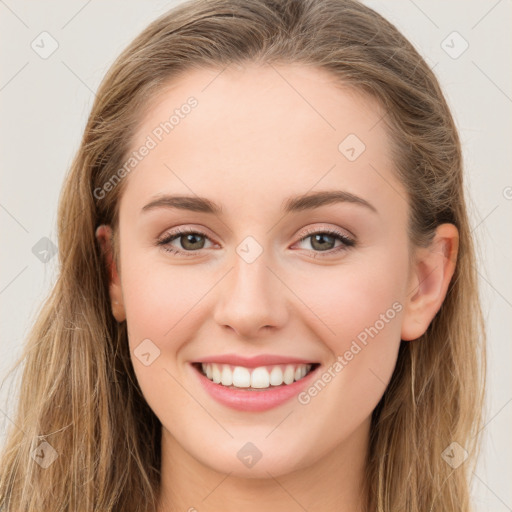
(252, 142)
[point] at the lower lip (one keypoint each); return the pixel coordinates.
(254, 401)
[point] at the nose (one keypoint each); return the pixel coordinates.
(251, 298)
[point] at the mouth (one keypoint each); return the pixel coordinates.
(260, 378)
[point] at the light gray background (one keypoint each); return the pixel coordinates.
(44, 104)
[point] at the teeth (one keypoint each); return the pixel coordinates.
(257, 378)
(241, 376)
(215, 374)
(276, 376)
(227, 376)
(260, 378)
(289, 374)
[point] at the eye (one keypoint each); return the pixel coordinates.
(324, 241)
(190, 241)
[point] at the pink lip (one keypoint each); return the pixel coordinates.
(254, 401)
(253, 362)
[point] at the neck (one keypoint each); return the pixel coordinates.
(332, 483)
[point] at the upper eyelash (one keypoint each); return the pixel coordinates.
(329, 231)
(169, 237)
(347, 241)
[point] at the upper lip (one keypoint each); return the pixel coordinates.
(253, 362)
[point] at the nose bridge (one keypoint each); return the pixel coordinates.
(251, 296)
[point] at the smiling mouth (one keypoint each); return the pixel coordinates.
(254, 379)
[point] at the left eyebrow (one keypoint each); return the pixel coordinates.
(318, 199)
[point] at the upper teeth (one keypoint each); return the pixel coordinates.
(261, 377)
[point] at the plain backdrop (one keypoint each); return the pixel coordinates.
(44, 104)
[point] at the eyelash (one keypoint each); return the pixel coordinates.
(347, 242)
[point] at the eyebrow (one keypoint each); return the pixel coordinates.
(292, 204)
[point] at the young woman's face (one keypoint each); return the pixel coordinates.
(267, 275)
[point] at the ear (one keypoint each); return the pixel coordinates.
(104, 236)
(430, 276)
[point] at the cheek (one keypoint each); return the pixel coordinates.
(356, 300)
(359, 309)
(338, 306)
(158, 297)
(161, 302)
(347, 299)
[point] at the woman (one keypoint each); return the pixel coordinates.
(267, 296)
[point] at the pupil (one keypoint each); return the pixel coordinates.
(320, 238)
(191, 239)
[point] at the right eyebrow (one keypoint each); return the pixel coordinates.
(190, 203)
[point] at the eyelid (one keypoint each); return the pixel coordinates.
(345, 233)
(175, 233)
(184, 230)
(347, 240)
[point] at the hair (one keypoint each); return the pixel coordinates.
(78, 390)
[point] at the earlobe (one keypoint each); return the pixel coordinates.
(104, 237)
(431, 274)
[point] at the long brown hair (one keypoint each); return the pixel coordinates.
(78, 390)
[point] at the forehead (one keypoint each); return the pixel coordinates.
(304, 102)
(260, 132)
